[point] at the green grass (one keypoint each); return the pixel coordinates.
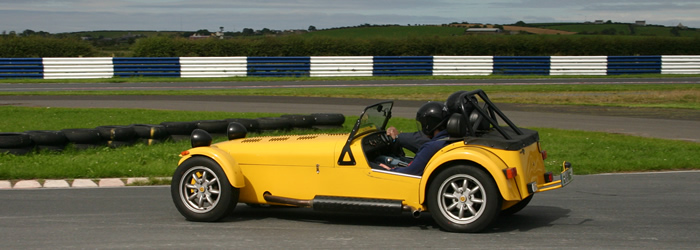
(679, 96)
(590, 152)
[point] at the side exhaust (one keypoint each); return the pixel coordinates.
(348, 205)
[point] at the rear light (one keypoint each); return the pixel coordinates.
(544, 154)
(510, 173)
(548, 177)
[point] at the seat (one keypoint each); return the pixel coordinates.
(457, 126)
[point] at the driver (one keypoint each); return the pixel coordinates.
(432, 118)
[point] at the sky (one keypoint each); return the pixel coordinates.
(59, 16)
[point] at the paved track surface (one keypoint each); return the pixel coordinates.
(622, 211)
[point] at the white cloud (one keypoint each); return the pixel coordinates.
(79, 15)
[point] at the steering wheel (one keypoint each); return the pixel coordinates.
(386, 139)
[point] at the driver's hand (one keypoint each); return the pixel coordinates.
(384, 166)
(391, 131)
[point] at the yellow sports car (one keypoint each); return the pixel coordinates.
(485, 169)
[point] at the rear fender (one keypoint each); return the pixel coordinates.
(228, 164)
(480, 157)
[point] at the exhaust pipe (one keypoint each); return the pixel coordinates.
(347, 204)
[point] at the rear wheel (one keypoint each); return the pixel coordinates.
(201, 191)
(463, 199)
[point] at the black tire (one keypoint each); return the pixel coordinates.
(117, 133)
(15, 140)
(191, 190)
(83, 136)
(251, 125)
(119, 144)
(179, 137)
(151, 142)
(150, 131)
(517, 207)
(179, 128)
(300, 121)
(17, 151)
(51, 148)
(324, 127)
(48, 137)
(84, 146)
(274, 123)
(328, 119)
(478, 204)
(213, 126)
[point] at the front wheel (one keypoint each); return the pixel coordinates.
(201, 191)
(463, 199)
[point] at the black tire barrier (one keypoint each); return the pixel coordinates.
(117, 133)
(88, 136)
(48, 140)
(85, 146)
(151, 142)
(274, 123)
(47, 137)
(324, 127)
(151, 134)
(15, 140)
(328, 119)
(51, 148)
(119, 144)
(150, 131)
(251, 125)
(213, 126)
(179, 128)
(300, 121)
(17, 151)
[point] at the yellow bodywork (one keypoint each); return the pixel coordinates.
(304, 166)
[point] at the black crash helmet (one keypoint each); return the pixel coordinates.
(431, 116)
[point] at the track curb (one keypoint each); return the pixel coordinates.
(78, 183)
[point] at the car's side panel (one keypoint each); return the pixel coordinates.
(479, 155)
(298, 182)
(360, 180)
(227, 163)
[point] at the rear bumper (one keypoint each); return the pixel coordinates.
(565, 178)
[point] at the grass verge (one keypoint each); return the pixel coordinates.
(590, 152)
(680, 96)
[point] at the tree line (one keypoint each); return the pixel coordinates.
(503, 45)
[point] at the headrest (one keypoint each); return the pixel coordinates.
(457, 125)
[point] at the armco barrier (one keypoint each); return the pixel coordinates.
(680, 64)
(332, 66)
(521, 65)
(213, 66)
(578, 65)
(146, 66)
(402, 65)
(78, 68)
(21, 68)
(279, 66)
(462, 65)
(619, 65)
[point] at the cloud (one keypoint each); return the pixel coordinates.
(80, 15)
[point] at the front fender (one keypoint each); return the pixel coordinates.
(228, 164)
(480, 156)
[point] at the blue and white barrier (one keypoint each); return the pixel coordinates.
(334, 66)
(330, 66)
